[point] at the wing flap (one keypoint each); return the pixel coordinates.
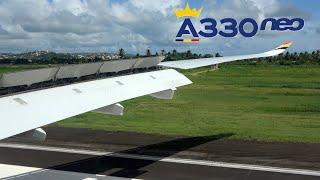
(196, 63)
(24, 112)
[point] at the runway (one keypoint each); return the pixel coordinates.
(30, 173)
(45, 162)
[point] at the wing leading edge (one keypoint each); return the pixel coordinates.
(28, 111)
(196, 63)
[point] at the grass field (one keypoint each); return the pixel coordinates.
(264, 102)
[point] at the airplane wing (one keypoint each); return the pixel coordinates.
(196, 63)
(28, 111)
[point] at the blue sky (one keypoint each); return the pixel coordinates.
(311, 6)
(135, 25)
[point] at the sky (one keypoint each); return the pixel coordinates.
(135, 25)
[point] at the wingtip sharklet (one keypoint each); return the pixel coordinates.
(285, 45)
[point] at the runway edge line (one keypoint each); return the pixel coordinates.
(169, 160)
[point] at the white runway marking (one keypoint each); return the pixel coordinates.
(170, 160)
(8, 172)
(12, 170)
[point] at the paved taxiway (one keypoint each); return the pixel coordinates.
(68, 163)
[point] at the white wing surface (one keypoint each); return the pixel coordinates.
(28, 111)
(195, 63)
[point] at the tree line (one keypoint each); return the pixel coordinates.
(282, 59)
(174, 55)
(287, 59)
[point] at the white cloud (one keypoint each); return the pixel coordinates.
(100, 25)
(161, 6)
(74, 6)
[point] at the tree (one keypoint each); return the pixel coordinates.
(54, 60)
(157, 54)
(137, 55)
(174, 52)
(218, 55)
(295, 56)
(287, 56)
(207, 56)
(121, 53)
(163, 52)
(148, 52)
(189, 54)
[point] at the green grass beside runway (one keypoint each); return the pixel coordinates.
(265, 102)
(15, 68)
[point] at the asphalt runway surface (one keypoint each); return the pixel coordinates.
(137, 156)
(31, 173)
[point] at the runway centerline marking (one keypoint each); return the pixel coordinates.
(169, 160)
